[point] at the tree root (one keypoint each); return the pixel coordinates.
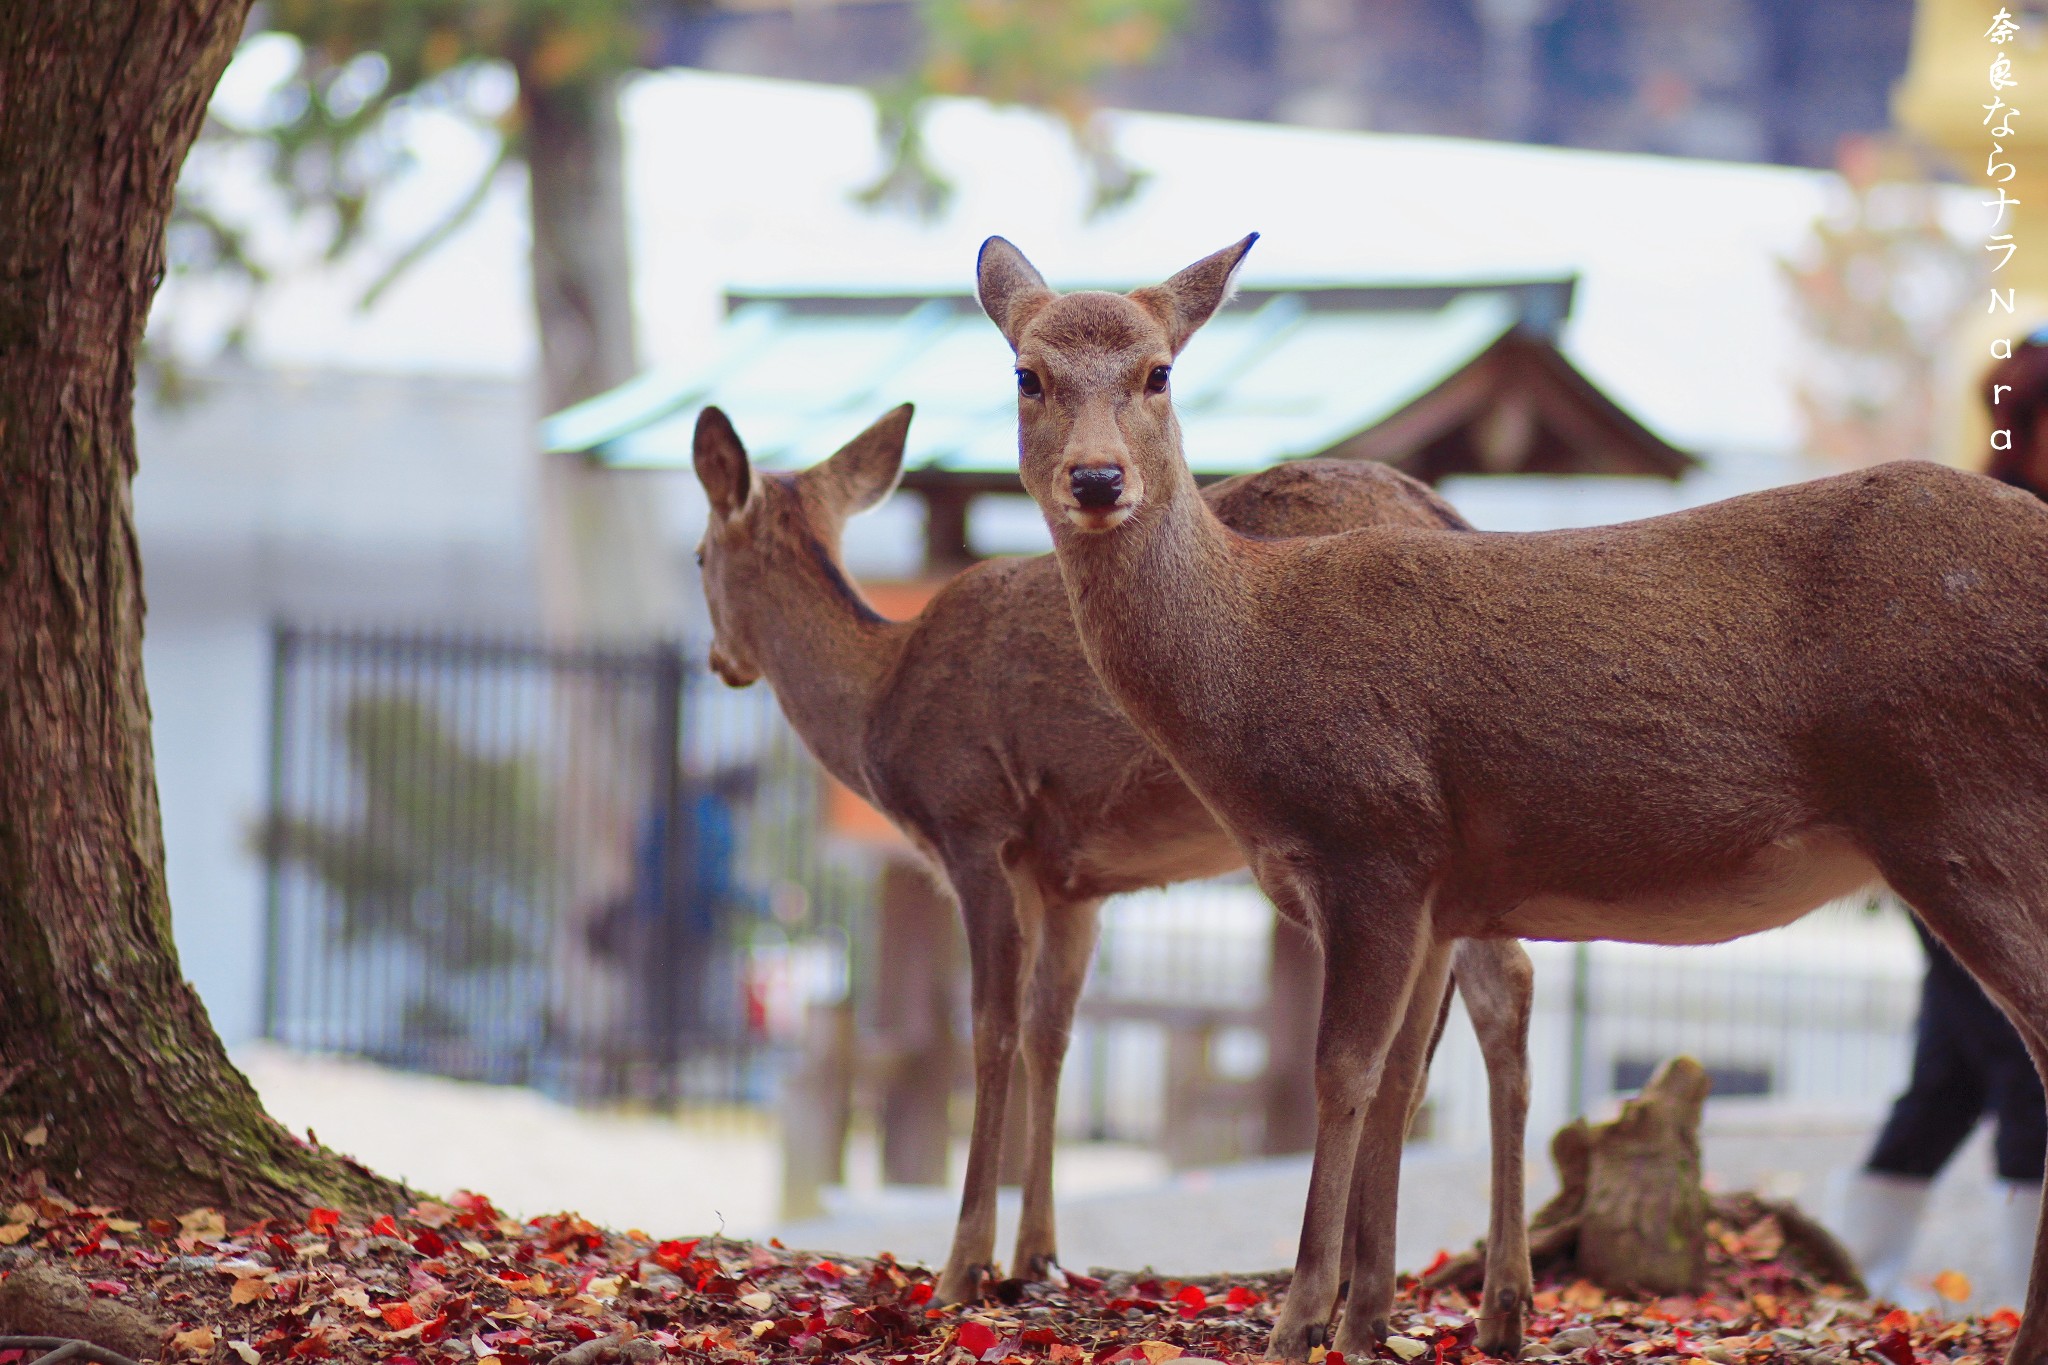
(40, 1302)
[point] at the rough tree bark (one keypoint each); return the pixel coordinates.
(112, 1081)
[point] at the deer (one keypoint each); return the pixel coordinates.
(1678, 730)
(979, 731)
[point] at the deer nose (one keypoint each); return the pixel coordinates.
(1099, 486)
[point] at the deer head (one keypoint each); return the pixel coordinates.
(759, 522)
(1096, 429)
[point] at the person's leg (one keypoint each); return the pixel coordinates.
(2022, 1138)
(1942, 1103)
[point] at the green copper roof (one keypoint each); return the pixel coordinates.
(1280, 374)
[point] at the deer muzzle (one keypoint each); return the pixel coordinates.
(1097, 487)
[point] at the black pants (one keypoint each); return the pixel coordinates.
(1967, 1059)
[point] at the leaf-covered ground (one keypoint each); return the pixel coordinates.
(458, 1282)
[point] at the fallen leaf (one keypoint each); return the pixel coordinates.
(1952, 1285)
(323, 1220)
(249, 1288)
(760, 1301)
(198, 1342)
(204, 1224)
(1157, 1351)
(605, 1287)
(123, 1226)
(763, 1327)
(21, 1213)
(355, 1296)
(431, 1214)
(1763, 1240)
(109, 1288)
(36, 1136)
(1406, 1347)
(1896, 1347)
(10, 1233)
(249, 1354)
(975, 1338)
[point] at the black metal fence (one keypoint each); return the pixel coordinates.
(595, 871)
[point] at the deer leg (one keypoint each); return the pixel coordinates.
(1370, 961)
(1376, 1177)
(2002, 937)
(1498, 985)
(995, 953)
(1066, 945)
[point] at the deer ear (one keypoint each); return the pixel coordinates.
(1188, 300)
(722, 463)
(1011, 290)
(864, 470)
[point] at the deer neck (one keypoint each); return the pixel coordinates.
(828, 655)
(1151, 597)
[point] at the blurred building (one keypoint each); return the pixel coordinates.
(1736, 80)
(328, 496)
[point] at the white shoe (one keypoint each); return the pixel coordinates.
(2016, 1207)
(1880, 1219)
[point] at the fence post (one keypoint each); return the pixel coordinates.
(915, 967)
(1578, 1101)
(816, 1104)
(677, 851)
(282, 640)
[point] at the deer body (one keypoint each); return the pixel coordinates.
(979, 729)
(1678, 730)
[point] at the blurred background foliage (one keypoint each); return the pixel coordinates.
(1880, 293)
(329, 134)
(1045, 54)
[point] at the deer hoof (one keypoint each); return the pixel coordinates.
(1362, 1343)
(962, 1284)
(1500, 1326)
(1294, 1340)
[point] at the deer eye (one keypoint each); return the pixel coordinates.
(1155, 382)
(1028, 385)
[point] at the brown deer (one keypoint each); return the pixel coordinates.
(979, 730)
(1678, 730)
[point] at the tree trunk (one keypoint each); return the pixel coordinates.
(1645, 1220)
(605, 570)
(112, 1081)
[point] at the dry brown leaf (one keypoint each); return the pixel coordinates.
(10, 1233)
(36, 1136)
(1157, 1351)
(197, 1342)
(123, 1225)
(249, 1354)
(355, 1296)
(433, 1215)
(205, 1224)
(249, 1288)
(1764, 1239)
(21, 1213)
